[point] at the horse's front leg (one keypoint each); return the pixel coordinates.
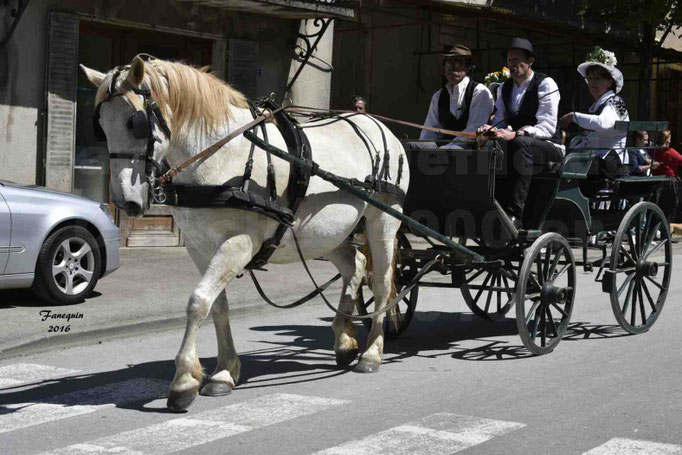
(351, 265)
(226, 374)
(227, 262)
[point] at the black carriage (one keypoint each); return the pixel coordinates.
(534, 270)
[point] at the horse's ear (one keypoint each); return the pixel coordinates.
(95, 77)
(136, 73)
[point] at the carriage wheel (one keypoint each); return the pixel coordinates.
(640, 267)
(494, 292)
(545, 293)
(399, 317)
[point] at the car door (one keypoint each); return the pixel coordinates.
(5, 229)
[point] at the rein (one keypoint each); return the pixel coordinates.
(470, 135)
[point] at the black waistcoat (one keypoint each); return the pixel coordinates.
(527, 113)
(445, 117)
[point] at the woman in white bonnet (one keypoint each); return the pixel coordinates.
(604, 81)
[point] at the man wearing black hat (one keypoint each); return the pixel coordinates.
(461, 105)
(527, 113)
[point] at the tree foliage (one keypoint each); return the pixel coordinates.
(636, 15)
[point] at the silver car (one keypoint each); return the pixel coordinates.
(58, 244)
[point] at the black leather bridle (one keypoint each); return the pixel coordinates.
(140, 122)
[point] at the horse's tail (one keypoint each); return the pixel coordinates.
(369, 269)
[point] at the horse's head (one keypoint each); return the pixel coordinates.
(136, 134)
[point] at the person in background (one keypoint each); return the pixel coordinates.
(641, 163)
(461, 105)
(359, 104)
(670, 160)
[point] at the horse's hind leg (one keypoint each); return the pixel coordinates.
(351, 265)
(229, 259)
(226, 374)
(380, 230)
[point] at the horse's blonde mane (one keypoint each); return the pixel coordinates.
(188, 97)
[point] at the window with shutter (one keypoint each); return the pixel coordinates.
(61, 100)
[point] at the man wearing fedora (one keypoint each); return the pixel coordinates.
(461, 105)
(526, 118)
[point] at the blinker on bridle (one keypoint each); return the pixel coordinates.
(141, 125)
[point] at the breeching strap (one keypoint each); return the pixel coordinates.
(267, 114)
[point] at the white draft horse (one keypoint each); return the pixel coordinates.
(200, 109)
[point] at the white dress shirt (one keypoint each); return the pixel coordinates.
(479, 111)
(601, 132)
(548, 107)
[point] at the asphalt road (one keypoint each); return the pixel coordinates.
(451, 383)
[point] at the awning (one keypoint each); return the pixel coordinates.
(342, 9)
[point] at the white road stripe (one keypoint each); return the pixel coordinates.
(23, 415)
(204, 427)
(438, 434)
(20, 373)
(621, 446)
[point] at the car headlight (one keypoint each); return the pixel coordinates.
(105, 209)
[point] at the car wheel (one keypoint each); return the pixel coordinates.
(68, 266)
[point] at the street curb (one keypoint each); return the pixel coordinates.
(100, 334)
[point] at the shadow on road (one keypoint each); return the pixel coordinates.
(14, 298)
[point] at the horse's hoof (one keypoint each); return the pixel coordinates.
(179, 401)
(216, 389)
(367, 366)
(345, 358)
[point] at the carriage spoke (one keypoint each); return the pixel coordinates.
(543, 322)
(475, 276)
(654, 283)
(633, 310)
(490, 295)
(638, 233)
(656, 248)
(627, 254)
(628, 296)
(651, 236)
(625, 283)
(648, 296)
(533, 310)
(510, 296)
(641, 305)
(548, 259)
(559, 309)
(562, 271)
(633, 250)
(499, 293)
(535, 281)
(480, 291)
(540, 274)
(551, 319)
(536, 322)
(555, 263)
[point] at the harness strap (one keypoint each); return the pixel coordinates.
(266, 115)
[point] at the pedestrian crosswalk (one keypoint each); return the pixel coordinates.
(440, 433)
(620, 446)
(23, 373)
(204, 427)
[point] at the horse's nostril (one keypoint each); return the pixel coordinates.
(132, 209)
